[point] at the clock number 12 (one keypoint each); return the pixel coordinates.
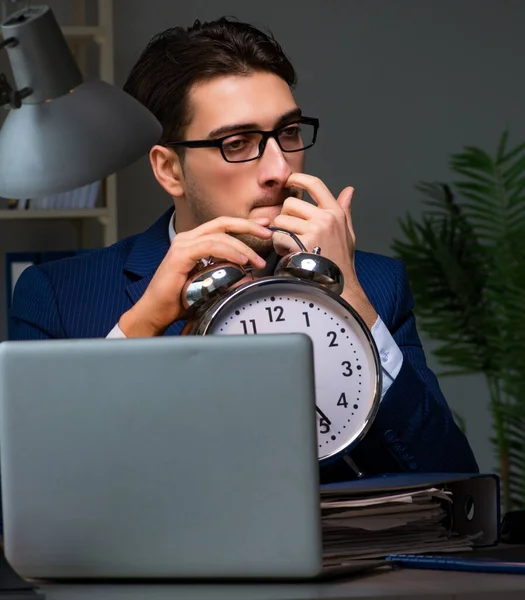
(278, 310)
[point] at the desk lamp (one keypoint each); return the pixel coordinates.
(61, 132)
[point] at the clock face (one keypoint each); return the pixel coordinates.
(345, 360)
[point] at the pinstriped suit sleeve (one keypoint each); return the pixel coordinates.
(34, 313)
(414, 429)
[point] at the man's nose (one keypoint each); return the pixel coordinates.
(273, 166)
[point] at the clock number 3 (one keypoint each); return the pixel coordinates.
(348, 371)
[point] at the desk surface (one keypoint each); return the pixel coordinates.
(407, 583)
(381, 583)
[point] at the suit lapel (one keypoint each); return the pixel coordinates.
(148, 251)
(135, 289)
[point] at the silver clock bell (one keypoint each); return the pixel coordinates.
(210, 280)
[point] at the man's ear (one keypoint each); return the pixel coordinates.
(167, 169)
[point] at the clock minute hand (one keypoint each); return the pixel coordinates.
(323, 416)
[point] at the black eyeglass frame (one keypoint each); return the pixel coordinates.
(266, 135)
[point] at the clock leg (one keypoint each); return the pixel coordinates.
(353, 466)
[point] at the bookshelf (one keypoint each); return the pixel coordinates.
(79, 36)
(102, 214)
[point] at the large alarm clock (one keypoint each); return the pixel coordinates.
(301, 296)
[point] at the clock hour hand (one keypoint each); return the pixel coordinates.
(323, 416)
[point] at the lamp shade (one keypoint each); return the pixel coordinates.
(67, 132)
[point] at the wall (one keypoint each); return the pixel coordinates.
(398, 87)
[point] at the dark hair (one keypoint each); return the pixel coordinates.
(177, 58)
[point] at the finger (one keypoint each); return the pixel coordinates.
(219, 250)
(215, 245)
(233, 225)
(320, 194)
(294, 224)
(284, 244)
(299, 208)
(345, 202)
(345, 198)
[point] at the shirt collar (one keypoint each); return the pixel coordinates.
(171, 228)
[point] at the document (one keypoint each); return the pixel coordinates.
(374, 526)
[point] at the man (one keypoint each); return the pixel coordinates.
(232, 158)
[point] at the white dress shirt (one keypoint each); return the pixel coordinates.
(389, 352)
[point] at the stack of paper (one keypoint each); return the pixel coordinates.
(376, 526)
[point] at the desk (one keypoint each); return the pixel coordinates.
(406, 583)
(399, 584)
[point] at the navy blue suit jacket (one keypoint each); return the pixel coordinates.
(84, 297)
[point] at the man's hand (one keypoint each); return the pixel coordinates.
(329, 226)
(161, 303)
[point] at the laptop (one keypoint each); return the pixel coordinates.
(175, 457)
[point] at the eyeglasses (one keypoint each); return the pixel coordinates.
(249, 145)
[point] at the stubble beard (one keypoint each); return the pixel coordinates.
(263, 247)
(202, 211)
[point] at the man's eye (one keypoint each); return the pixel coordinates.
(234, 145)
(292, 131)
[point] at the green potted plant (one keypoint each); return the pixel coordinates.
(465, 257)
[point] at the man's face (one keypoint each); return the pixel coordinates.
(214, 187)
